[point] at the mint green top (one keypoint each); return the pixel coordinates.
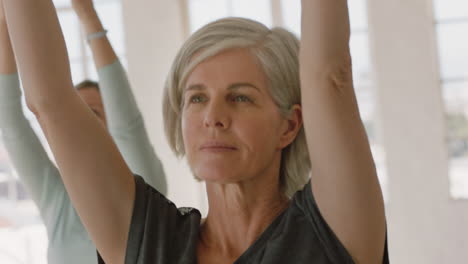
(68, 239)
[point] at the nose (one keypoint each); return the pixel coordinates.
(217, 116)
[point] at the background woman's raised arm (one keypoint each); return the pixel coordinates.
(123, 117)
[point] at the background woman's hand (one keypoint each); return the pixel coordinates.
(102, 50)
(87, 15)
(83, 8)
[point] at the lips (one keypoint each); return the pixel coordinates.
(217, 146)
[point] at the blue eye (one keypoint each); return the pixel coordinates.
(242, 98)
(197, 99)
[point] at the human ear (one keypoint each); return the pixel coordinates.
(292, 126)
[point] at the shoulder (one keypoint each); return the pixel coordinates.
(151, 200)
(303, 202)
(304, 205)
(159, 228)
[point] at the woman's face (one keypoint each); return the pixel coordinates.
(232, 129)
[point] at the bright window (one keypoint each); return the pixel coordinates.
(22, 236)
(452, 34)
(205, 11)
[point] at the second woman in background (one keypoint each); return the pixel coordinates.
(68, 240)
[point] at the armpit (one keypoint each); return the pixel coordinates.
(340, 76)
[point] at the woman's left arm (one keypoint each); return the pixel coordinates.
(344, 178)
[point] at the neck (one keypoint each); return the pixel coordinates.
(239, 213)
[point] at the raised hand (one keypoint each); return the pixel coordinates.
(87, 15)
(83, 8)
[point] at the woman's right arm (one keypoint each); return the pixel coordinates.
(29, 158)
(96, 177)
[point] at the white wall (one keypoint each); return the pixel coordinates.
(425, 224)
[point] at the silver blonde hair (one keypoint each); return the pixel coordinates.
(277, 51)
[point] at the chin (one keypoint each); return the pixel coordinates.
(217, 173)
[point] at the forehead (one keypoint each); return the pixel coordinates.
(227, 67)
(90, 95)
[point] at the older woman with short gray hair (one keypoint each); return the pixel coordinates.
(276, 51)
(253, 116)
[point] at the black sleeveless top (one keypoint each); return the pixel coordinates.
(161, 233)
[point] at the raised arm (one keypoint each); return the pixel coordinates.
(124, 119)
(29, 158)
(344, 179)
(97, 179)
(102, 50)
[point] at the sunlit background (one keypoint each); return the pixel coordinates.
(22, 235)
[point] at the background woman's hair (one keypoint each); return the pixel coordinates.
(86, 84)
(277, 52)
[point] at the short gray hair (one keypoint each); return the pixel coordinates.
(277, 51)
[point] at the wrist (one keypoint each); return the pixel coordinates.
(84, 12)
(97, 35)
(92, 25)
(87, 17)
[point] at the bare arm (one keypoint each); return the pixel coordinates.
(102, 50)
(7, 59)
(36, 171)
(99, 183)
(345, 182)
